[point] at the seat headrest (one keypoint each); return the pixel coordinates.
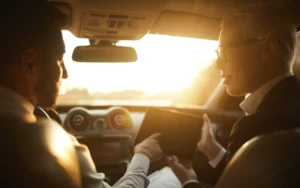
(39, 154)
(267, 161)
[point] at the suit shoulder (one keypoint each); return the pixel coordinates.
(252, 119)
(266, 122)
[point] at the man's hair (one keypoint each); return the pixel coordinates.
(26, 24)
(258, 20)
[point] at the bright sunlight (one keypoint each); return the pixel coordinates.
(164, 64)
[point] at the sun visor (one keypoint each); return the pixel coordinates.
(187, 25)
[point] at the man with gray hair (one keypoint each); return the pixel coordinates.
(255, 56)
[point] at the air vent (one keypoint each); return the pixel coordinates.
(79, 121)
(119, 119)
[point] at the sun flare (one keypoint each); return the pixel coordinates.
(165, 63)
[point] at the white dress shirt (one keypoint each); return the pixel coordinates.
(13, 104)
(252, 101)
(250, 105)
(164, 178)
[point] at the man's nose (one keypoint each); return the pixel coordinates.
(65, 72)
(219, 64)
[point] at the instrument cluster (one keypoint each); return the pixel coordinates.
(80, 120)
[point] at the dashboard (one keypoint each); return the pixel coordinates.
(109, 133)
(113, 121)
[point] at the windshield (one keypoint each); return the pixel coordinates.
(169, 71)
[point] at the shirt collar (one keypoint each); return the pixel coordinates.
(12, 103)
(252, 101)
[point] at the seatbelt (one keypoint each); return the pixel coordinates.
(48, 114)
(40, 113)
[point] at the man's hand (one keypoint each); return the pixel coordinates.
(150, 147)
(208, 144)
(182, 169)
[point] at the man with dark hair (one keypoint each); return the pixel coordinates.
(31, 74)
(31, 42)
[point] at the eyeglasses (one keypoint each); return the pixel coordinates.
(221, 50)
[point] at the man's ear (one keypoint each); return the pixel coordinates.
(29, 57)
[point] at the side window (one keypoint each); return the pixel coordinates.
(201, 88)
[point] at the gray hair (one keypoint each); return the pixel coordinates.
(259, 20)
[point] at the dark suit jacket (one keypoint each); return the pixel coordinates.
(279, 110)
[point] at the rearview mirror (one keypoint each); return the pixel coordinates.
(104, 54)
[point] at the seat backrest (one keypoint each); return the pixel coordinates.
(39, 154)
(266, 161)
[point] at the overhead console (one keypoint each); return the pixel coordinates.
(99, 25)
(132, 19)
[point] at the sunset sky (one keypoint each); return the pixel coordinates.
(164, 64)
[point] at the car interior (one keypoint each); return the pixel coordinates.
(255, 156)
(124, 57)
(39, 155)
